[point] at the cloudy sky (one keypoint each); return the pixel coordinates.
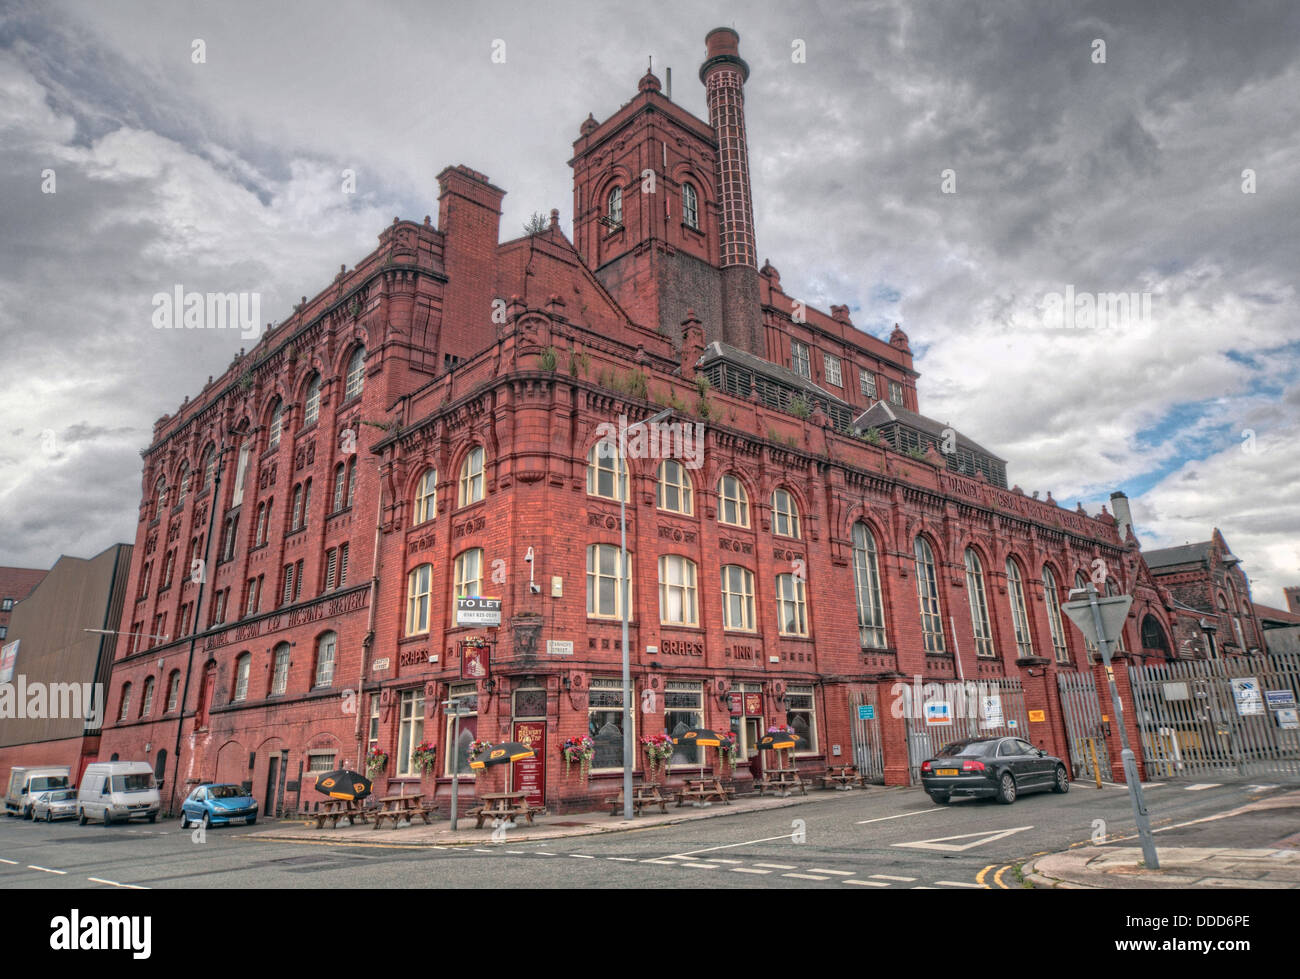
(1101, 169)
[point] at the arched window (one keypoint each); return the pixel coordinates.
(738, 598)
(674, 491)
(418, 585)
(184, 484)
(927, 593)
(785, 514)
(791, 605)
(277, 425)
(733, 502)
(242, 665)
(160, 497)
(690, 207)
(468, 575)
(356, 374)
(471, 477)
(280, 669)
(1019, 613)
(1051, 598)
(352, 480)
(260, 539)
(311, 409)
(325, 660)
(979, 606)
(173, 691)
(160, 765)
(1153, 636)
(677, 594)
(209, 467)
(295, 518)
(605, 584)
(606, 472)
(426, 496)
(866, 581)
(125, 707)
(614, 209)
(146, 702)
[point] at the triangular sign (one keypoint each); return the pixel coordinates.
(1113, 612)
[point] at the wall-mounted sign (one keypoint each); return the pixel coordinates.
(1288, 719)
(381, 664)
(477, 610)
(938, 713)
(559, 647)
(1279, 699)
(736, 704)
(1176, 691)
(8, 659)
(1246, 691)
(1037, 716)
(866, 712)
(992, 710)
(475, 661)
(753, 704)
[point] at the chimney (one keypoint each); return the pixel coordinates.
(469, 218)
(1123, 516)
(724, 73)
(1292, 594)
(692, 344)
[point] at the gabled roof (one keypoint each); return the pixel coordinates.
(882, 413)
(1166, 557)
(1280, 616)
(724, 351)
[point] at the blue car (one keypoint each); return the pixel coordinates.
(217, 805)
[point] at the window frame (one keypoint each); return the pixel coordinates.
(319, 660)
(866, 564)
(801, 359)
(471, 485)
(596, 577)
(835, 377)
(744, 595)
(684, 487)
(419, 596)
(604, 462)
(927, 591)
(977, 598)
(354, 383)
(797, 600)
(686, 590)
(787, 516)
(426, 497)
(739, 501)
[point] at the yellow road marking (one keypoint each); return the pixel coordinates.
(997, 878)
(979, 878)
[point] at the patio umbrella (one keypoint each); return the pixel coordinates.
(781, 742)
(503, 754)
(344, 784)
(701, 736)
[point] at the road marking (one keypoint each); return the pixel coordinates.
(837, 873)
(901, 880)
(581, 856)
(666, 863)
(728, 846)
(777, 866)
(939, 842)
(113, 883)
(954, 883)
(806, 876)
(623, 859)
(881, 819)
(12, 862)
(699, 866)
(979, 878)
(748, 870)
(516, 851)
(866, 883)
(479, 849)
(1259, 788)
(32, 866)
(997, 878)
(720, 860)
(1203, 785)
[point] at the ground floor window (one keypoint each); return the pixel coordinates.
(683, 711)
(605, 722)
(320, 762)
(747, 726)
(464, 707)
(411, 730)
(801, 716)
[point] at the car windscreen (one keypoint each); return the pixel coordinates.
(133, 783)
(967, 749)
(43, 783)
(227, 792)
(62, 795)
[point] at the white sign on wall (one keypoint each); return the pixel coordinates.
(1249, 700)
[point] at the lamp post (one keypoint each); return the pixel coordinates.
(1101, 620)
(620, 476)
(452, 703)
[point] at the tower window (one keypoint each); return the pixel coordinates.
(615, 210)
(690, 207)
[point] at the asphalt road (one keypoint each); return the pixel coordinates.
(874, 840)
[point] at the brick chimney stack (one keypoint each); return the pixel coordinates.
(724, 73)
(1292, 594)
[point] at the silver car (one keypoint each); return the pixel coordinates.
(56, 804)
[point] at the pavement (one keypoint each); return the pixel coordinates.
(548, 827)
(1275, 864)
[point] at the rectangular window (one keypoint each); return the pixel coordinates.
(799, 714)
(867, 381)
(174, 692)
(288, 585)
(240, 470)
(463, 711)
(343, 565)
(605, 722)
(604, 599)
(417, 600)
(411, 731)
(325, 659)
(683, 711)
(468, 575)
(331, 557)
(297, 581)
(251, 606)
(320, 762)
(677, 591)
(832, 365)
(799, 362)
(895, 393)
(791, 605)
(372, 741)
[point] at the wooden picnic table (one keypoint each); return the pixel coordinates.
(841, 777)
(398, 807)
(783, 780)
(646, 794)
(504, 805)
(703, 789)
(332, 810)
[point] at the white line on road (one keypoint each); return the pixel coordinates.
(113, 883)
(623, 859)
(479, 849)
(806, 876)
(1203, 785)
(837, 873)
(901, 880)
(941, 842)
(721, 860)
(545, 853)
(728, 846)
(516, 851)
(881, 819)
(700, 866)
(956, 883)
(581, 856)
(748, 870)
(666, 863)
(865, 883)
(32, 866)
(13, 862)
(776, 866)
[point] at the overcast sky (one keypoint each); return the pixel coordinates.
(1122, 175)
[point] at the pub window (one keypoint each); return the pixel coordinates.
(464, 701)
(799, 714)
(280, 671)
(785, 514)
(417, 599)
(426, 496)
(471, 477)
(683, 711)
(1019, 614)
(866, 578)
(927, 593)
(979, 606)
(604, 598)
(325, 659)
(606, 472)
(737, 598)
(675, 491)
(1051, 598)
(677, 590)
(733, 502)
(605, 722)
(791, 605)
(410, 731)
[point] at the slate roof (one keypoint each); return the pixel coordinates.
(1166, 557)
(883, 413)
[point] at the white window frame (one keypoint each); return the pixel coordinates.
(690, 207)
(737, 501)
(419, 588)
(471, 477)
(866, 578)
(243, 667)
(738, 587)
(426, 497)
(410, 731)
(785, 513)
(867, 384)
(927, 596)
(673, 477)
(280, 668)
(604, 466)
(977, 597)
(323, 668)
(831, 367)
(802, 690)
(791, 596)
(614, 205)
(461, 578)
(800, 359)
(355, 382)
(277, 425)
(311, 409)
(609, 685)
(597, 577)
(173, 691)
(693, 688)
(678, 581)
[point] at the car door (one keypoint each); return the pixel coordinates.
(1009, 758)
(1043, 769)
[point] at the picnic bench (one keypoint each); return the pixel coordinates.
(782, 780)
(703, 789)
(647, 794)
(395, 808)
(841, 777)
(332, 810)
(504, 805)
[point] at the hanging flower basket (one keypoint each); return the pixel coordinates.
(581, 750)
(727, 751)
(424, 755)
(658, 749)
(376, 762)
(474, 642)
(477, 748)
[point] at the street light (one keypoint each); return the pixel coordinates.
(1101, 620)
(620, 471)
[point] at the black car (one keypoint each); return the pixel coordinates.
(998, 767)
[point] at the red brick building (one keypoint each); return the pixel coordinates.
(15, 585)
(430, 425)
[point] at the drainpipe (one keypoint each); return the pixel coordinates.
(369, 640)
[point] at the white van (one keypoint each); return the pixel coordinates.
(27, 782)
(117, 790)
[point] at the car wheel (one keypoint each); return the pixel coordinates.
(49, 815)
(1007, 789)
(252, 821)
(207, 821)
(1062, 784)
(153, 817)
(184, 823)
(81, 817)
(940, 797)
(108, 820)
(27, 812)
